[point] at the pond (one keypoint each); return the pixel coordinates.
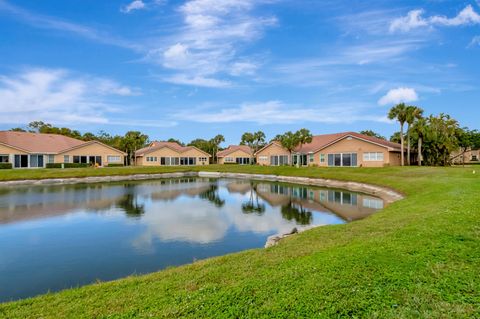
(56, 237)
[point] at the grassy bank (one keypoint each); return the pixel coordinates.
(417, 258)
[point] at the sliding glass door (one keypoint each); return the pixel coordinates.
(342, 159)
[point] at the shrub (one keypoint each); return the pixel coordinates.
(6, 166)
(68, 165)
(114, 165)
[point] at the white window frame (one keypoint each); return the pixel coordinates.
(66, 159)
(114, 158)
(373, 157)
(263, 158)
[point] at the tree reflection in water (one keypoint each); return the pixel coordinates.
(296, 212)
(130, 205)
(212, 196)
(253, 206)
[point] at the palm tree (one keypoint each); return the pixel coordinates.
(399, 112)
(289, 141)
(420, 128)
(413, 113)
(303, 137)
(216, 141)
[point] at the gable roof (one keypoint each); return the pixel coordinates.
(271, 143)
(156, 145)
(320, 142)
(44, 143)
(233, 148)
(38, 142)
(90, 143)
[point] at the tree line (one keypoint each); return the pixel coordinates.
(434, 139)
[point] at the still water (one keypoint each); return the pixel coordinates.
(56, 237)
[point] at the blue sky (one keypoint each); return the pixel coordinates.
(196, 68)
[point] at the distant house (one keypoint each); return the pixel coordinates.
(235, 154)
(170, 154)
(471, 156)
(347, 149)
(35, 150)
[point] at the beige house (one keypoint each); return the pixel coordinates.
(36, 150)
(471, 156)
(170, 154)
(235, 154)
(347, 149)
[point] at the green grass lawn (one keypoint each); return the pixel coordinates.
(418, 258)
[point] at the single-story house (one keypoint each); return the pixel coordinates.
(35, 150)
(236, 154)
(471, 156)
(170, 154)
(348, 149)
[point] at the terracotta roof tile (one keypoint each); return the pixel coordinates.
(321, 141)
(156, 145)
(233, 148)
(38, 142)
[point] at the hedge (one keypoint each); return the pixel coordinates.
(115, 165)
(6, 166)
(68, 165)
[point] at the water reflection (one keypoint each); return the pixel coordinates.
(58, 236)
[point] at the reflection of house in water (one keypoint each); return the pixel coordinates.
(240, 186)
(22, 204)
(347, 205)
(171, 189)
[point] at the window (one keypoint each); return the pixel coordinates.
(474, 158)
(21, 161)
(322, 158)
(263, 158)
(229, 159)
(36, 160)
(312, 157)
(151, 158)
(113, 158)
(342, 159)
(51, 158)
(76, 159)
(202, 159)
(66, 158)
(242, 160)
(4, 158)
(373, 156)
(372, 203)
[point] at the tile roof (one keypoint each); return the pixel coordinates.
(321, 141)
(38, 142)
(156, 145)
(232, 148)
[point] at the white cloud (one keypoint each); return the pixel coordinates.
(398, 95)
(61, 97)
(243, 68)
(52, 23)
(207, 43)
(134, 5)
(277, 112)
(414, 20)
(198, 80)
(475, 41)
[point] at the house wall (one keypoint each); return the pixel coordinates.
(271, 150)
(353, 145)
(167, 152)
(237, 153)
(5, 150)
(466, 157)
(92, 150)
